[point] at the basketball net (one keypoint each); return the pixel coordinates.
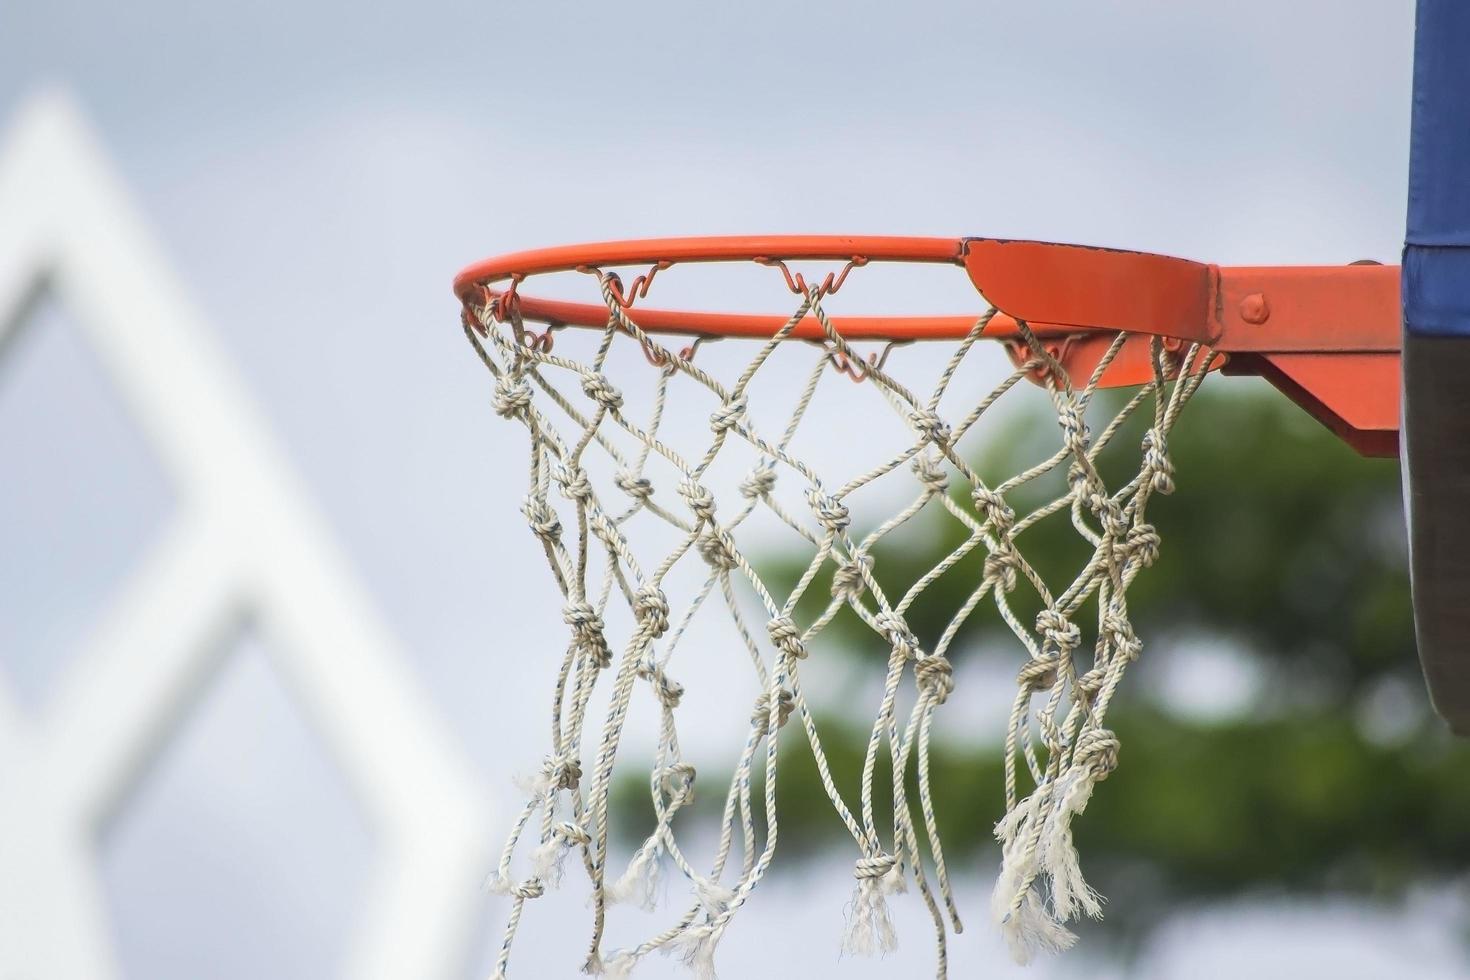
(1076, 648)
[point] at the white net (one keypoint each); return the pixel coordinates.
(623, 512)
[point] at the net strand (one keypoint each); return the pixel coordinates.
(1055, 734)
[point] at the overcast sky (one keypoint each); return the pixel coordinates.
(318, 172)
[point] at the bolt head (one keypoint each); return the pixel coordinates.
(1253, 309)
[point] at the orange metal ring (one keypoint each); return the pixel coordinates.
(768, 249)
(722, 248)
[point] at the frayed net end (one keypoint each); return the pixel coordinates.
(696, 948)
(1071, 895)
(1029, 929)
(869, 925)
(619, 966)
(639, 884)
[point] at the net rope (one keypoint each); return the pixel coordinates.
(1057, 747)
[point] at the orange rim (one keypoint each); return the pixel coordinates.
(723, 248)
(476, 285)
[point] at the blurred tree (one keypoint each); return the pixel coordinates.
(1280, 544)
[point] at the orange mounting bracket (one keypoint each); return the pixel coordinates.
(1328, 337)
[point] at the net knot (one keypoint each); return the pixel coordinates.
(512, 397)
(542, 518)
(530, 888)
(1143, 543)
(760, 715)
(930, 427)
(1089, 684)
(651, 609)
(561, 772)
(831, 512)
(931, 474)
(1074, 428)
(1000, 566)
(1114, 522)
(700, 501)
(1095, 495)
(587, 633)
(1058, 630)
(1156, 462)
(1087, 486)
(638, 487)
(786, 635)
(993, 507)
(935, 677)
(877, 866)
(597, 387)
(728, 415)
(574, 482)
(669, 691)
(717, 548)
(1096, 752)
(1120, 631)
(760, 482)
(847, 580)
(582, 618)
(896, 631)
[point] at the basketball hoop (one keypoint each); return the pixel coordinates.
(1073, 321)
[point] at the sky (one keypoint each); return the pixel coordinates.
(318, 172)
